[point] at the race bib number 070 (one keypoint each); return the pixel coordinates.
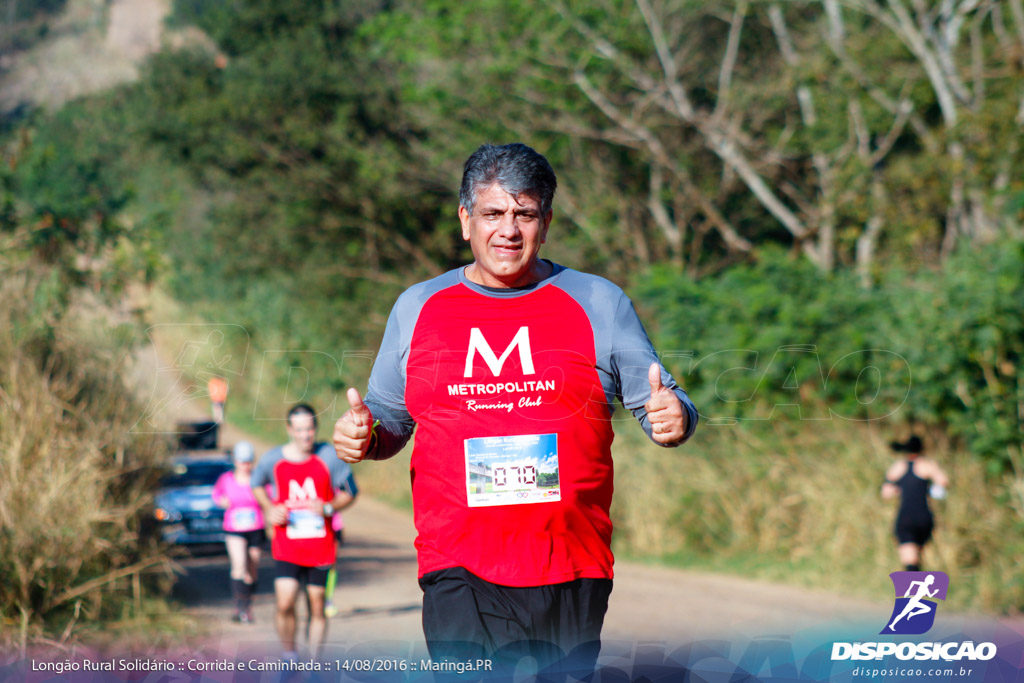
(512, 470)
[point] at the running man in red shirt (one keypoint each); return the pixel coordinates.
(310, 484)
(508, 369)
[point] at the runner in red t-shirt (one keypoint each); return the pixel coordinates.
(309, 485)
(509, 370)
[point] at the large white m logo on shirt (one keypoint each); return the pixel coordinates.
(305, 491)
(477, 344)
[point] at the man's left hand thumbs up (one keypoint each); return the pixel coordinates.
(664, 410)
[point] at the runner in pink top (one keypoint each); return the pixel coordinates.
(242, 511)
(243, 527)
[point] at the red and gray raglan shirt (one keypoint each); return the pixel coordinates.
(511, 393)
(306, 539)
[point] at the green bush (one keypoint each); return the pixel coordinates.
(778, 338)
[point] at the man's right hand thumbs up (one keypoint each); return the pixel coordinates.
(352, 431)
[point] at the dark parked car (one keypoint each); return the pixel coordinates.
(198, 436)
(185, 509)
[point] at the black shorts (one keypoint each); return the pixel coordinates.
(559, 625)
(255, 538)
(916, 532)
(311, 576)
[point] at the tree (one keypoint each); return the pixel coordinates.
(813, 124)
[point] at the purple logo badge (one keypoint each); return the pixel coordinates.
(916, 593)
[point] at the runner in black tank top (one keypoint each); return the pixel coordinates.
(914, 522)
(912, 480)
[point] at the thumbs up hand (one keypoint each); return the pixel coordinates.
(664, 410)
(352, 431)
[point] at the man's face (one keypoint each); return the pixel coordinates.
(505, 233)
(302, 430)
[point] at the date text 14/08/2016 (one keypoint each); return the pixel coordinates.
(406, 665)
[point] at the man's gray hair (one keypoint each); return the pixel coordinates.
(516, 168)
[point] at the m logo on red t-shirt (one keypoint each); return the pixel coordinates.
(305, 539)
(477, 344)
(307, 491)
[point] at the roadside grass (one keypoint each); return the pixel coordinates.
(799, 502)
(75, 482)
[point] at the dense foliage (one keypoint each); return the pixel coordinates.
(781, 339)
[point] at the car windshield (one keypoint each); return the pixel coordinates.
(194, 474)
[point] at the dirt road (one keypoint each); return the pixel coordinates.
(379, 598)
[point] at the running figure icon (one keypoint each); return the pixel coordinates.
(916, 605)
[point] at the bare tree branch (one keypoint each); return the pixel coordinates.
(866, 249)
(874, 91)
(914, 40)
(661, 156)
(673, 235)
(826, 209)
(898, 124)
(668, 66)
(836, 29)
(977, 61)
(789, 56)
(860, 128)
(732, 239)
(607, 51)
(902, 24)
(720, 143)
(999, 23)
(1017, 10)
(781, 31)
(954, 212)
(946, 41)
(732, 47)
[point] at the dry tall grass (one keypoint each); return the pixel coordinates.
(800, 502)
(74, 481)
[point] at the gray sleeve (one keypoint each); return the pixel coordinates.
(631, 355)
(342, 478)
(263, 472)
(624, 352)
(385, 395)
